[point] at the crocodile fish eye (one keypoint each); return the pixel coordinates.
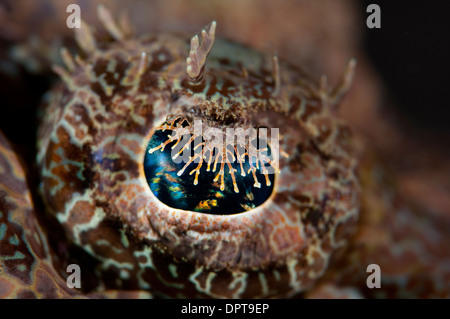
(190, 171)
(200, 182)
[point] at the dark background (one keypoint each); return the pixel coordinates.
(411, 52)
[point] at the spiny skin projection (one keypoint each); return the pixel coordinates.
(94, 137)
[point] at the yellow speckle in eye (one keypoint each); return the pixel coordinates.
(249, 196)
(247, 207)
(170, 178)
(206, 204)
(174, 189)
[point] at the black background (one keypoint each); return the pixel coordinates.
(411, 52)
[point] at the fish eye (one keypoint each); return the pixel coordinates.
(183, 175)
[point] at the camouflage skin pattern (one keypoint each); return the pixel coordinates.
(329, 215)
(94, 134)
(27, 268)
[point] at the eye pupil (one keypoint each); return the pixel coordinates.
(180, 187)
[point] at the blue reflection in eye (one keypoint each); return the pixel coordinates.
(206, 197)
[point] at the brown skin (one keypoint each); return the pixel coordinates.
(331, 62)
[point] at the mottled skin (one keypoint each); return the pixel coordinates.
(93, 137)
(27, 268)
(410, 246)
(94, 131)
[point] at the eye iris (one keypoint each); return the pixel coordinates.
(206, 196)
